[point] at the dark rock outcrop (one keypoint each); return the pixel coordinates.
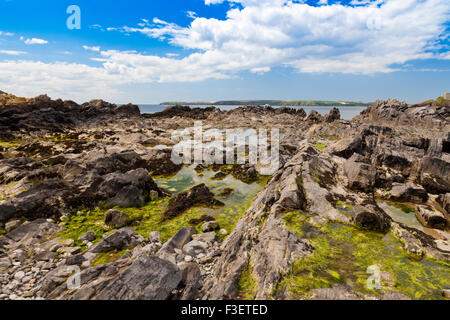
(198, 195)
(149, 278)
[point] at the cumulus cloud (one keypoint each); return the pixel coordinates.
(35, 41)
(367, 37)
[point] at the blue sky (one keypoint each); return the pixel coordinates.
(208, 50)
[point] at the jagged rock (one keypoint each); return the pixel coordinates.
(127, 190)
(361, 176)
(334, 115)
(88, 236)
(194, 248)
(198, 195)
(411, 244)
(149, 278)
(209, 237)
(408, 193)
(191, 276)
(370, 217)
(75, 260)
(444, 202)
(11, 225)
(314, 117)
(435, 175)
(44, 256)
(116, 219)
(183, 236)
(119, 240)
(346, 147)
(129, 110)
(431, 218)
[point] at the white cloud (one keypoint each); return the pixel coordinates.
(6, 34)
(35, 41)
(95, 49)
(12, 52)
(366, 38)
(371, 37)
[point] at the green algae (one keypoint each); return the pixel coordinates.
(236, 204)
(10, 144)
(86, 220)
(343, 254)
(247, 284)
(320, 146)
(107, 257)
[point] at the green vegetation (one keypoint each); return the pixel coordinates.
(247, 284)
(2, 231)
(342, 254)
(150, 217)
(107, 257)
(406, 208)
(86, 220)
(320, 146)
(329, 137)
(295, 103)
(10, 144)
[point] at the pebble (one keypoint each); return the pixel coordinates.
(19, 275)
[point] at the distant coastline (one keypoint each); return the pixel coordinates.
(294, 103)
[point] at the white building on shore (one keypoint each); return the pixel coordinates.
(446, 96)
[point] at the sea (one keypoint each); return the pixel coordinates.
(347, 113)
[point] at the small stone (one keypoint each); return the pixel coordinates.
(154, 236)
(210, 226)
(154, 195)
(11, 225)
(188, 259)
(69, 250)
(68, 243)
(28, 294)
(88, 236)
(206, 260)
(19, 275)
(223, 232)
(200, 256)
(446, 293)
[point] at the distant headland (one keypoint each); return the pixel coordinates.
(300, 103)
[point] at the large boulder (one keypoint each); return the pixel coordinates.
(116, 219)
(121, 239)
(408, 192)
(127, 189)
(361, 176)
(346, 147)
(314, 117)
(130, 110)
(334, 115)
(435, 175)
(198, 195)
(444, 202)
(370, 217)
(431, 218)
(149, 278)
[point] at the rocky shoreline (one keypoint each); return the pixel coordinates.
(93, 186)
